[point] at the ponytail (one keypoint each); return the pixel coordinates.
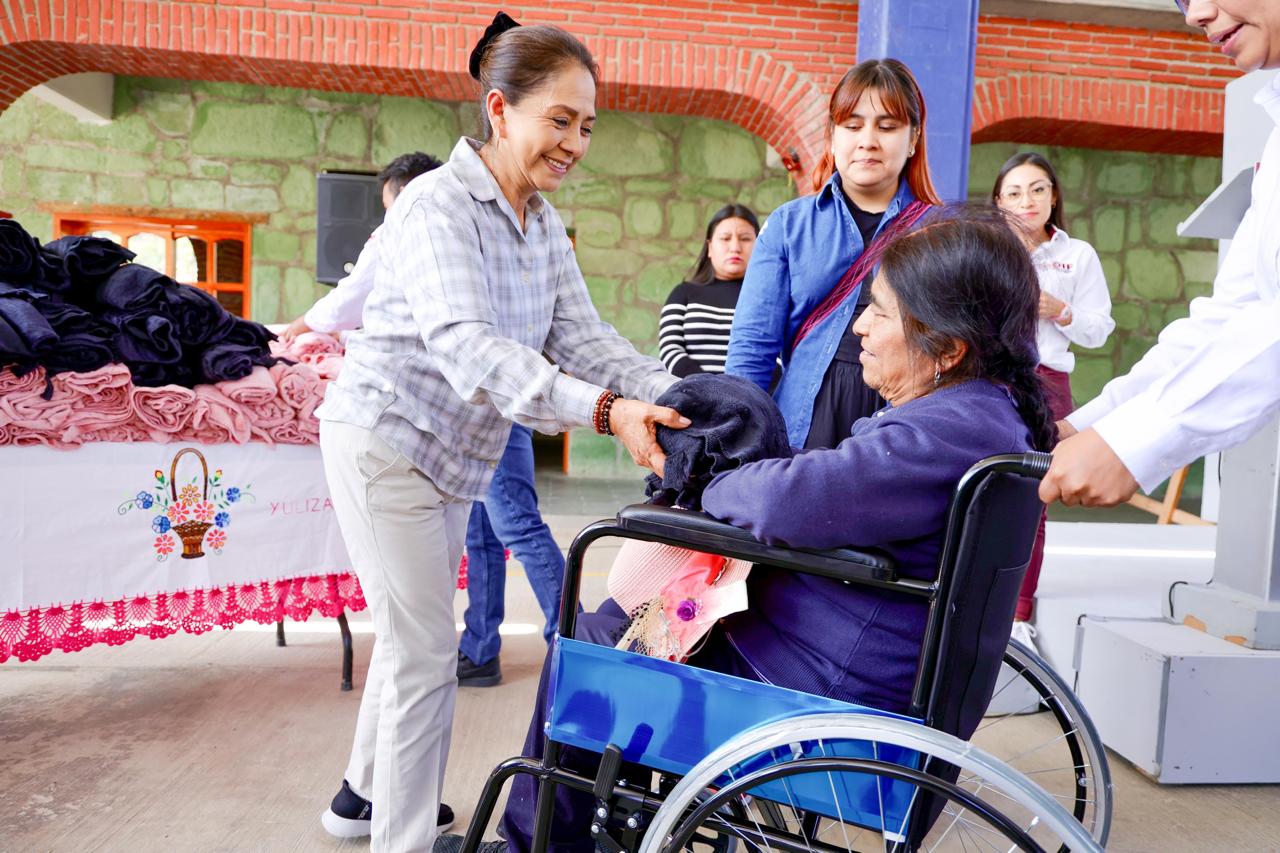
(1028, 396)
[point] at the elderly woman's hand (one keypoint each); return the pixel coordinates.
(636, 426)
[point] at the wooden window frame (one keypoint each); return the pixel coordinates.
(211, 231)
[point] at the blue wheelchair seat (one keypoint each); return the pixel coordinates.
(669, 716)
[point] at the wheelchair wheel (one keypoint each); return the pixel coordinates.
(1051, 740)
(990, 806)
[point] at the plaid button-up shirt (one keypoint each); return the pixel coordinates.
(463, 305)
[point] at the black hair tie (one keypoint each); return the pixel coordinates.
(501, 23)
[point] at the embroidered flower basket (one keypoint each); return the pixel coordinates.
(190, 532)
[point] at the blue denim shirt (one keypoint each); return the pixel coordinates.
(803, 249)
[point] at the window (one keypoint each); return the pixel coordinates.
(213, 256)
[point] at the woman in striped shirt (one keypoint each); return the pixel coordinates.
(693, 333)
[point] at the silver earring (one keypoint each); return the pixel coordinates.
(937, 377)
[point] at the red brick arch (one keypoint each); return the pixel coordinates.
(1114, 115)
(1094, 87)
(415, 48)
(765, 65)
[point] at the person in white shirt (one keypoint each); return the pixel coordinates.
(1213, 379)
(1075, 307)
(339, 310)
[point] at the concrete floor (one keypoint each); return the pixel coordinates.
(226, 742)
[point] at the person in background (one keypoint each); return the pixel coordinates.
(476, 280)
(693, 332)
(507, 518)
(1209, 383)
(1075, 307)
(339, 310)
(799, 300)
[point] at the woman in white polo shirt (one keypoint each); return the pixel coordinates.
(1075, 306)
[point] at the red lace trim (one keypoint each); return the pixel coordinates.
(35, 633)
(32, 634)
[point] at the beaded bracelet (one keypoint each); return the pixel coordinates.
(600, 414)
(608, 410)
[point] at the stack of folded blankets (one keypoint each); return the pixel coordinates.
(93, 348)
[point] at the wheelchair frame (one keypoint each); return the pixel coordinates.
(699, 532)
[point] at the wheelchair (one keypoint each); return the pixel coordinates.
(747, 766)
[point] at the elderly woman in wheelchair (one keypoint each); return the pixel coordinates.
(833, 712)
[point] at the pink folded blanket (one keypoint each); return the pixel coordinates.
(165, 412)
(257, 387)
(314, 342)
(327, 364)
(100, 398)
(132, 430)
(290, 433)
(266, 417)
(16, 436)
(217, 419)
(9, 383)
(299, 385)
(28, 410)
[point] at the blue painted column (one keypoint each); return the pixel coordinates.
(937, 39)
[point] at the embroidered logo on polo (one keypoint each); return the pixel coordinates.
(190, 515)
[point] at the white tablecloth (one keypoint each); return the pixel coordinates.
(91, 525)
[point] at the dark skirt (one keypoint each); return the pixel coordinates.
(1057, 394)
(843, 397)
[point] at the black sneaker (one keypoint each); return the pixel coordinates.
(453, 843)
(351, 815)
(472, 674)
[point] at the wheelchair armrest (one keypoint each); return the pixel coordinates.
(701, 532)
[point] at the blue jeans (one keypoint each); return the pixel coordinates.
(508, 517)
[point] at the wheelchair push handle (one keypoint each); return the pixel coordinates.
(1036, 464)
(1033, 464)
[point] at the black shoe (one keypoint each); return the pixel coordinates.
(453, 843)
(472, 674)
(351, 815)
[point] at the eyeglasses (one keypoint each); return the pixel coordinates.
(1037, 192)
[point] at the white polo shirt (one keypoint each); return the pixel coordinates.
(1069, 269)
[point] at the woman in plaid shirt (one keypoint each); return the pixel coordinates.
(476, 280)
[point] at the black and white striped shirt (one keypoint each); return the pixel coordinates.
(693, 332)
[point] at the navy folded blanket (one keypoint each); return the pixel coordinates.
(24, 331)
(85, 261)
(734, 422)
(197, 317)
(133, 288)
(19, 254)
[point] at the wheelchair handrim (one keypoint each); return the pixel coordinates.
(967, 757)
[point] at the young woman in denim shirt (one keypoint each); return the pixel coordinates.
(873, 171)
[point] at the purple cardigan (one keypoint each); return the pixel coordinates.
(886, 487)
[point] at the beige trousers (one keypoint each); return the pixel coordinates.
(405, 540)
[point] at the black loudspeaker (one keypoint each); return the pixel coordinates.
(348, 208)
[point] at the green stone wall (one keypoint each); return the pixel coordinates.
(638, 203)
